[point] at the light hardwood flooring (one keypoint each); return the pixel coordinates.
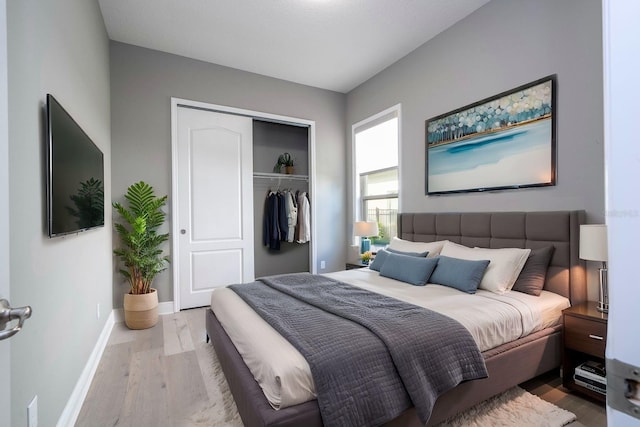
(163, 376)
(589, 413)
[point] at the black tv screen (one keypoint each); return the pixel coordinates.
(75, 175)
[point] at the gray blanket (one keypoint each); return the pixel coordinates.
(371, 356)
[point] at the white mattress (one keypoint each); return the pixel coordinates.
(283, 373)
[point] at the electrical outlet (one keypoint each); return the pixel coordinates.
(32, 412)
(322, 265)
(98, 311)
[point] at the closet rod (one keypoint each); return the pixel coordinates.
(280, 176)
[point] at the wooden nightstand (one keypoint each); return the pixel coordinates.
(585, 337)
(359, 264)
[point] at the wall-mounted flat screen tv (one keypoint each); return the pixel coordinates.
(75, 175)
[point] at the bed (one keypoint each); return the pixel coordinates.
(508, 364)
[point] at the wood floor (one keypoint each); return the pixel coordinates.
(549, 387)
(163, 376)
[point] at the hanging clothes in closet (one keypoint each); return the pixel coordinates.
(286, 218)
(271, 226)
(304, 223)
(292, 215)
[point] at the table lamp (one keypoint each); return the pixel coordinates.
(593, 247)
(365, 229)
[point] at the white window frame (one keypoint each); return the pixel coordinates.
(365, 199)
(382, 196)
(381, 117)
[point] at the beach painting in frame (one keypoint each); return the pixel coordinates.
(503, 142)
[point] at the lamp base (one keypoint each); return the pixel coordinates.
(603, 295)
(602, 307)
(365, 245)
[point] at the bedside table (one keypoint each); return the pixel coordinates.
(352, 265)
(585, 337)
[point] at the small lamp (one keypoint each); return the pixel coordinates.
(365, 229)
(593, 247)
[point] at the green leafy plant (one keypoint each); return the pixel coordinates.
(140, 252)
(89, 203)
(284, 159)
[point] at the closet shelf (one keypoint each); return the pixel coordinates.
(279, 176)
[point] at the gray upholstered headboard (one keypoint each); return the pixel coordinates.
(566, 275)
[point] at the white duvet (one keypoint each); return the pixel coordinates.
(283, 373)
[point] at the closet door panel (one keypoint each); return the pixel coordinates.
(215, 203)
(212, 269)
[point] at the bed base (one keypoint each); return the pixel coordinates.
(508, 365)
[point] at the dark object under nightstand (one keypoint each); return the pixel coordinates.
(352, 265)
(585, 337)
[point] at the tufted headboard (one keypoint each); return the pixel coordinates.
(566, 274)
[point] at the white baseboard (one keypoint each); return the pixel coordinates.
(163, 308)
(74, 404)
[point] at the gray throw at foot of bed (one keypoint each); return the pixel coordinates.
(371, 356)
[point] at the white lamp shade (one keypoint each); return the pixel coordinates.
(593, 242)
(366, 228)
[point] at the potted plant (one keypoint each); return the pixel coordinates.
(140, 252)
(285, 160)
(366, 257)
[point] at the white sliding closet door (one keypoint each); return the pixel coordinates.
(215, 203)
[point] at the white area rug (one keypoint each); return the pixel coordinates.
(515, 407)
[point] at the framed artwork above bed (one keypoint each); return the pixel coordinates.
(503, 142)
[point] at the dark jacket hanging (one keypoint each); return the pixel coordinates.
(283, 224)
(271, 229)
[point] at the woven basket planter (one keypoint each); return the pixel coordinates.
(141, 311)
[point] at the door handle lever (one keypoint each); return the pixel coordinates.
(7, 314)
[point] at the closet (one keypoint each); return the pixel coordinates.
(223, 162)
(270, 140)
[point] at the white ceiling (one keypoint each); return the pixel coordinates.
(330, 44)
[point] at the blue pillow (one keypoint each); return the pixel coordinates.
(410, 269)
(382, 255)
(380, 258)
(418, 254)
(461, 274)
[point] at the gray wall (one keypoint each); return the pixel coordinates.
(502, 45)
(58, 47)
(142, 84)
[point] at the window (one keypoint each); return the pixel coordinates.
(376, 185)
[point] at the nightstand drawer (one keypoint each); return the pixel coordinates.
(584, 335)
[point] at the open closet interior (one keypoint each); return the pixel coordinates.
(271, 141)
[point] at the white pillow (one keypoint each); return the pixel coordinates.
(433, 248)
(504, 266)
